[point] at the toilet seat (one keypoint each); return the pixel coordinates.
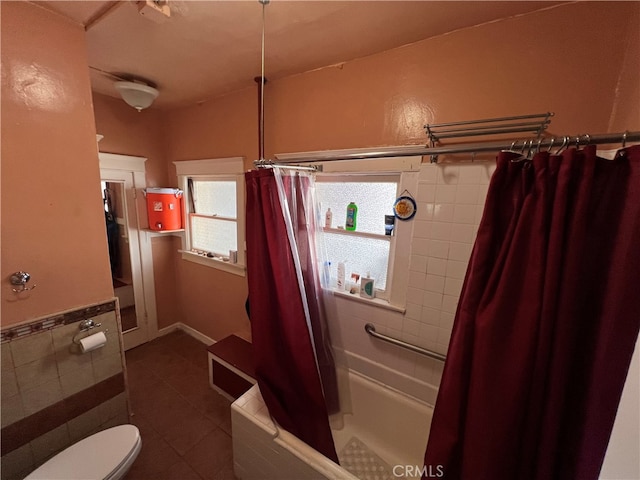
(106, 455)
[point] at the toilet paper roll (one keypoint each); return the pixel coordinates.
(93, 342)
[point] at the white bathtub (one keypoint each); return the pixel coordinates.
(393, 426)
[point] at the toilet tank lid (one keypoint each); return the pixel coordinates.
(93, 457)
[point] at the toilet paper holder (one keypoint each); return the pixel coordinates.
(85, 326)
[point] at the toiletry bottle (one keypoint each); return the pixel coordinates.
(327, 218)
(366, 287)
(326, 275)
(341, 276)
(352, 215)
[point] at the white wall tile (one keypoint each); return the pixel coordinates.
(438, 249)
(482, 194)
(437, 266)
(447, 174)
(421, 229)
(412, 327)
(426, 193)
(415, 295)
(444, 212)
(446, 320)
(413, 310)
(469, 174)
(434, 283)
(449, 304)
(417, 280)
(428, 333)
(430, 316)
(456, 269)
(432, 300)
(446, 194)
(418, 263)
(425, 211)
(452, 286)
(444, 335)
(419, 246)
(463, 233)
(465, 195)
(464, 213)
(428, 173)
(441, 231)
(460, 252)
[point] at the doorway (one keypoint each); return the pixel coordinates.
(122, 181)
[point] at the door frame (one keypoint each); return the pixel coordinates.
(129, 168)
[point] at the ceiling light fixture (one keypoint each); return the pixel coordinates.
(138, 95)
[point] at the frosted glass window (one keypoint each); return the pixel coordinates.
(215, 197)
(213, 235)
(374, 200)
(360, 254)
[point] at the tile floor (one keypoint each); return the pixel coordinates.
(184, 423)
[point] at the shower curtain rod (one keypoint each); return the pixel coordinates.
(419, 150)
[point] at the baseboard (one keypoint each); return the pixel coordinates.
(188, 330)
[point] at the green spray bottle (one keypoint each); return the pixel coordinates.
(352, 215)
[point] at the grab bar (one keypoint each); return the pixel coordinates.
(371, 330)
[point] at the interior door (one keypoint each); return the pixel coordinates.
(123, 233)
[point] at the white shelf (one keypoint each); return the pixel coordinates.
(356, 233)
(162, 233)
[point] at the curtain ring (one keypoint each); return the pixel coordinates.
(561, 147)
(530, 149)
(588, 138)
(578, 142)
(552, 141)
(624, 138)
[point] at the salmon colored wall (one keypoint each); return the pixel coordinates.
(626, 113)
(165, 277)
(52, 225)
(129, 132)
(568, 60)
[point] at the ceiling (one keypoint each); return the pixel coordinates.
(209, 48)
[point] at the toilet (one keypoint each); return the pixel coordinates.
(106, 455)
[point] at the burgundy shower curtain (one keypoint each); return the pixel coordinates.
(283, 349)
(546, 323)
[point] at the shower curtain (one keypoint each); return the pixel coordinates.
(292, 356)
(547, 321)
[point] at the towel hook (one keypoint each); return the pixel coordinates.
(20, 280)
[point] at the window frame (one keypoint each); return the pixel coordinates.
(222, 169)
(408, 169)
(365, 177)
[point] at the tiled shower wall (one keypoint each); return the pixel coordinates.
(53, 395)
(450, 202)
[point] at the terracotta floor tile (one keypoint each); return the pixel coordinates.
(184, 423)
(156, 456)
(211, 454)
(179, 471)
(188, 431)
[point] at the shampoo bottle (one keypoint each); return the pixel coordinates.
(341, 276)
(328, 218)
(366, 287)
(352, 215)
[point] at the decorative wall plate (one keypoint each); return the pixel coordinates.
(405, 208)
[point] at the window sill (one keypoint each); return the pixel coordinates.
(234, 268)
(374, 302)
